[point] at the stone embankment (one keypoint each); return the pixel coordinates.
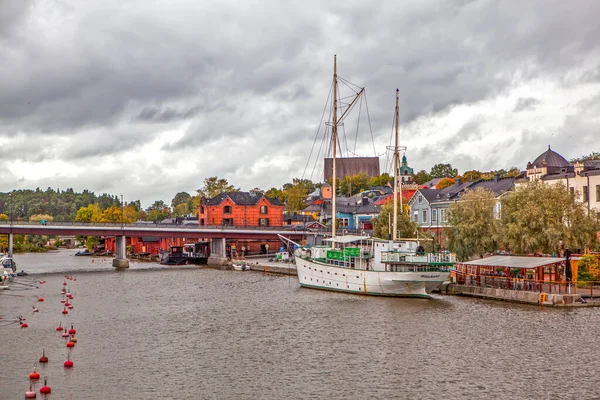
(519, 296)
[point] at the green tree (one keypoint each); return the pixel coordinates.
(421, 177)
(592, 156)
(275, 193)
(443, 171)
(472, 175)
(214, 186)
(537, 216)
(180, 198)
(353, 184)
(91, 242)
(381, 180)
(473, 224)
(295, 198)
(381, 223)
(257, 191)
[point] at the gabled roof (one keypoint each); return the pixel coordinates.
(240, 199)
(298, 217)
(369, 208)
(498, 187)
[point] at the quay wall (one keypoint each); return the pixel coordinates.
(517, 296)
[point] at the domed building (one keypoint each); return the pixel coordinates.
(581, 179)
(549, 162)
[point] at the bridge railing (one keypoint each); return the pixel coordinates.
(155, 225)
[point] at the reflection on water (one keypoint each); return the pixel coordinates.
(163, 333)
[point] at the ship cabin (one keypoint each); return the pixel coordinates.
(362, 252)
(350, 251)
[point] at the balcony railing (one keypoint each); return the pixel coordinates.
(424, 258)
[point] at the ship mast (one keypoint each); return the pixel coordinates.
(396, 170)
(334, 139)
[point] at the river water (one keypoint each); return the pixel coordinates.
(154, 332)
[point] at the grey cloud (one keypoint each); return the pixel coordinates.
(111, 76)
(166, 114)
(12, 14)
(526, 103)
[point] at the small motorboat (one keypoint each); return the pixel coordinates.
(21, 273)
(241, 266)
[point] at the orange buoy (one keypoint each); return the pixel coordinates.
(59, 327)
(24, 325)
(40, 299)
(45, 389)
(34, 376)
(43, 358)
(70, 344)
(64, 283)
(73, 339)
(64, 311)
(65, 334)
(72, 331)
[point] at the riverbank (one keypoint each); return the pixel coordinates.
(520, 296)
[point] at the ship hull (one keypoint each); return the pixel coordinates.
(318, 275)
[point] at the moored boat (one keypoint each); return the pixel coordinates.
(364, 265)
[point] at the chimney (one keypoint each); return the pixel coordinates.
(365, 201)
(496, 177)
(458, 181)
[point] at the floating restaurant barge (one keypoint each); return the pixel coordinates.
(531, 280)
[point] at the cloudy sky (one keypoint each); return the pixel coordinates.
(146, 98)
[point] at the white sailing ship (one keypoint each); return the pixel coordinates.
(364, 265)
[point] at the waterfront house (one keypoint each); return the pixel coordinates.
(582, 178)
(245, 209)
(429, 207)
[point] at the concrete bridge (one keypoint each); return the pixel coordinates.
(217, 234)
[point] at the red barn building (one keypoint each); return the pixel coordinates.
(240, 209)
(243, 209)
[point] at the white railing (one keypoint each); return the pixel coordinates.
(395, 256)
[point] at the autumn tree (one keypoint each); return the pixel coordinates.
(443, 171)
(3, 238)
(473, 224)
(40, 217)
(91, 213)
(537, 217)
(214, 186)
(444, 183)
(382, 223)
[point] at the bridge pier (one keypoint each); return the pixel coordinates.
(218, 254)
(121, 260)
(10, 245)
